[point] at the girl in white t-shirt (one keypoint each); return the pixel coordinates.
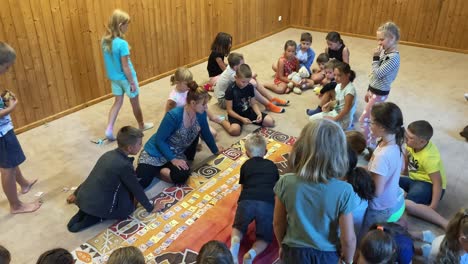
(453, 246)
(178, 95)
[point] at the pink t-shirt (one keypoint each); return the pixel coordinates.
(179, 98)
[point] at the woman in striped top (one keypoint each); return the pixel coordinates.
(385, 65)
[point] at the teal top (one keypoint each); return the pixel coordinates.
(313, 211)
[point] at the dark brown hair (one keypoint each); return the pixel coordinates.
(214, 252)
(128, 136)
(197, 93)
(222, 43)
(306, 36)
(334, 37)
(344, 68)
(56, 256)
(422, 129)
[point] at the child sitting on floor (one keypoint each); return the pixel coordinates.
(453, 246)
(56, 256)
(256, 202)
(108, 190)
(241, 106)
(214, 252)
(342, 109)
(287, 64)
(426, 183)
(319, 74)
(220, 48)
(226, 79)
(325, 91)
(126, 255)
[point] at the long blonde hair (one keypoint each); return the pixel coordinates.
(182, 74)
(450, 247)
(320, 152)
(113, 31)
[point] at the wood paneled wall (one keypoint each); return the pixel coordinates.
(432, 23)
(59, 66)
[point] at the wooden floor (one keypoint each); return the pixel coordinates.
(430, 86)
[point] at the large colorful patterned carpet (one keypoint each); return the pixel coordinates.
(192, 214)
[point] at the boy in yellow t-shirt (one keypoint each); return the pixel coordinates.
(426, 183)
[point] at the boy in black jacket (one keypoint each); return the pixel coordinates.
(108, 190)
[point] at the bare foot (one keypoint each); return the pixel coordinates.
(71, 199)
(26, 207)
(26, 189)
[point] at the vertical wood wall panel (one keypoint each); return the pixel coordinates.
(434, 23)
(59, 66)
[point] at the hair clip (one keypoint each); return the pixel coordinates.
(381, 228)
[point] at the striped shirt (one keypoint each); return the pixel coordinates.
(384, 70)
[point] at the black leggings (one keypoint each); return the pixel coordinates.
(147, 172)
(82, 220)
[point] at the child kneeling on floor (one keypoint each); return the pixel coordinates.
(107, 192)
(241, 106)
(256, 202)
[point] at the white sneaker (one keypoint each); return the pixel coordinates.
(466, 96)
(147, 126)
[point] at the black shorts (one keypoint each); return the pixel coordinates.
(11, 154)
(250, 114)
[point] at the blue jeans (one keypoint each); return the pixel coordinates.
(419, 192)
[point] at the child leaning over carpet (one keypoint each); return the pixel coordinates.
(227, 78)
(256, 202)
(385, 65)
(108, 191)
(220, 48)
(11, 153)
(241, 106)
(304, 53)
(56, 256)
(385, 165)
(426, 183)
(336, 49)
(453, 246)
(287, 64)
(342, 109)
(126, 255)
(214, 252)
(313, 186)
(120, 71)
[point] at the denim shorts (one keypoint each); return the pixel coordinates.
(261, 212)
(419, 192)
(308, 255)
(121, 87)
(11, 154)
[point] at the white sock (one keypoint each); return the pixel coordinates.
(235, 245)
(252, 254)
